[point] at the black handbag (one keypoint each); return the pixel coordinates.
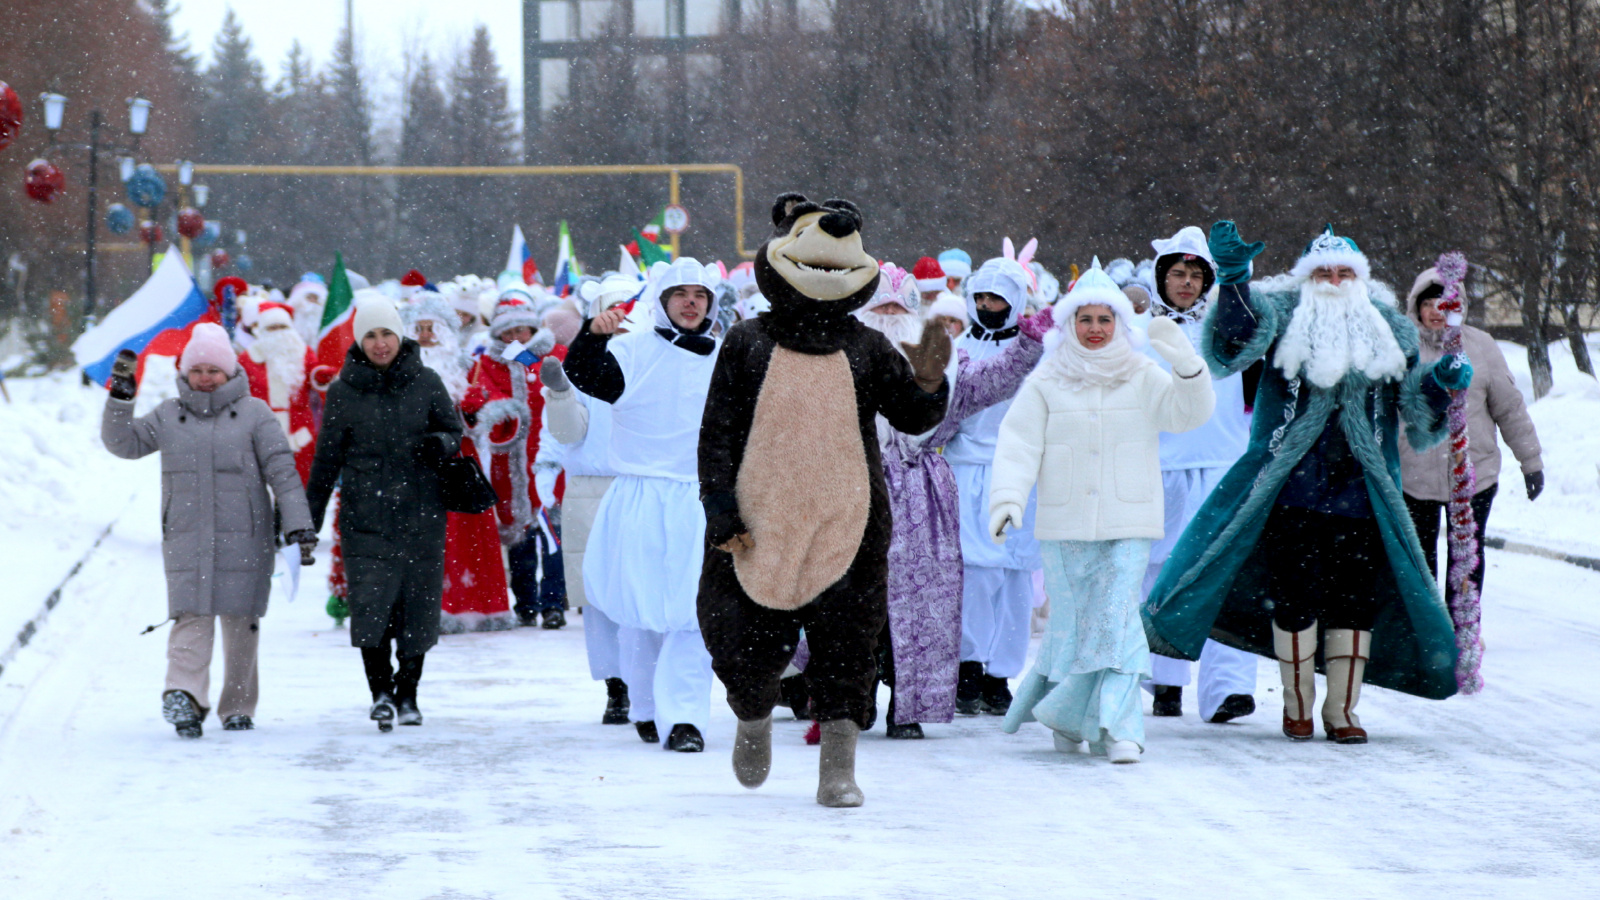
(464, 487)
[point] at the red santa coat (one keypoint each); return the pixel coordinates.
(505, 400)
(293, 408)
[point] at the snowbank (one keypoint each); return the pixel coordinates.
(59, 488)
(1567, 516)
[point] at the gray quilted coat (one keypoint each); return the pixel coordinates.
(220, 452)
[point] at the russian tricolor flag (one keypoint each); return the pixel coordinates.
(520, 260)
(170, 299)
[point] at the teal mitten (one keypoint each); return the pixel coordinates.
(1453, 372)
(1231, 253)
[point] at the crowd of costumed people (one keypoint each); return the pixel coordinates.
(816, 472)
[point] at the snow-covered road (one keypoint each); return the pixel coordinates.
(514, 790)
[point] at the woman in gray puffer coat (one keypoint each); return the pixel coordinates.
(221, 450)
(388, 424)
(1493, 405)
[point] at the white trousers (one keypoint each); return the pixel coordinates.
(668, 676)
(600, 637)
(1224, 671)
(996, 607)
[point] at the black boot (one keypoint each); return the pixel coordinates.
(910, 731)
(647, 732)
(996, 696)
(969, 689)
(382, 712)
(685, 738)
(1233, 706)
(1168, 701)
(405, 690)
(554, 619)
(796, 696)
(181, 712)
(616, 703)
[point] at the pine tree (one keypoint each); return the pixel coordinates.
(425, 131)
(350, 126)
(235, 112)
(482, 123)
(177, 44)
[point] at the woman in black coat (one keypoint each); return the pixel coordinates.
(388, 424)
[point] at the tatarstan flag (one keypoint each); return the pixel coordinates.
(337, 332)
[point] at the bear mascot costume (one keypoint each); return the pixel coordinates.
(797, 514)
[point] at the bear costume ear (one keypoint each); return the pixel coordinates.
(782, 206)
(843, 205)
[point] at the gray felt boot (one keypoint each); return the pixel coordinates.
(836, 778)
(752, 752)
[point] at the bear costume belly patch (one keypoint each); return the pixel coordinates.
(804, 489)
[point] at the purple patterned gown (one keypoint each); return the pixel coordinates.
(925, 545)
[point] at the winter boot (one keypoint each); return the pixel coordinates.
(617, 705)
(836, 772)
(1233, 706)
(1064, 744)
(1297, 662)
(383, 712)
(910, 731)
(752, 752)
(406, 712)
(1168, 702)
(181, 712)
(995, 698)
(685, 738)
(796, 696)
(1122, 752)
(1346, 655)
(969, 688)
(238, 723)
(647, 732)
(554, 619)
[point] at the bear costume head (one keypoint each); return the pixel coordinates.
(814, 273)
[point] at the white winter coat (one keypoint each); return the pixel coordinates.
(1095, 453)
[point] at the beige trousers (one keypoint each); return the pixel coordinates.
(189, 662)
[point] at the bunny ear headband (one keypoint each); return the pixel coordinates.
(1009, 251)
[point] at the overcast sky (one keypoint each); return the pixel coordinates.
(383, 27)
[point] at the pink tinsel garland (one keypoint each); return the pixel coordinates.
(1465, 611)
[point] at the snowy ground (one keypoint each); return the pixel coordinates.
(512, 789)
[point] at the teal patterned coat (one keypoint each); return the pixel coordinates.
(1215, 584)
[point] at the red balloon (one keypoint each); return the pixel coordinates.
(150, 232)
(44, 181)
(220, 259)
(190, 222)
(10, 115)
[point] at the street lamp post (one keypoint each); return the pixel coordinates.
(55, 106)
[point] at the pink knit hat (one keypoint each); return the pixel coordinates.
(209, 345)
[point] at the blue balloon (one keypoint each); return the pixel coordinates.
(243, 262)
(209, 234)
(146, 187)
(119, 219)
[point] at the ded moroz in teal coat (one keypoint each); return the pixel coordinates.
(1216, 582)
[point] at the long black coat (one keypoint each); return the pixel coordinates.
(392, 515)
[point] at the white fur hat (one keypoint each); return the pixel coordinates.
(428, 306)
(948, 304)
(685, 270)
(1329, 249)
(514, 309)
(375, 310)
(618, 287)
(1095, 287)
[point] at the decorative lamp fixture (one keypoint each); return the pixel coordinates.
(55, 109)
(125, 166)
(185, 173)
(202, 193)
(138, 115)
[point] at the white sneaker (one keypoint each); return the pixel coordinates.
(1122, 751)
(1065, 744)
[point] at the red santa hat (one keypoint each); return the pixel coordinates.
(410, 283)
(270, 314)
(513, 309)
(929, 276)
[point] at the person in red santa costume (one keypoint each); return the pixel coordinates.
(475, 593)
(278, 364)
(503, 407)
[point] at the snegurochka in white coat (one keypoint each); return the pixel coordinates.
(1192, 463)
(1085, 429)
(642, 566)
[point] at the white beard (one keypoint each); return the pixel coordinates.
(283, 352)
(903, 328)
(445, 359)
(1337, 329)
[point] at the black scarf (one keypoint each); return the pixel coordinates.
(997, 335)
(696, 342)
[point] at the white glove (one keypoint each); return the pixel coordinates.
(544, 484)
(1169, 341)
(1003, 516)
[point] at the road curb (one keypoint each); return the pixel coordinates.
(32, 626)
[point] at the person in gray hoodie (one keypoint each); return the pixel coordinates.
(221, 451)
(1493, 405)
